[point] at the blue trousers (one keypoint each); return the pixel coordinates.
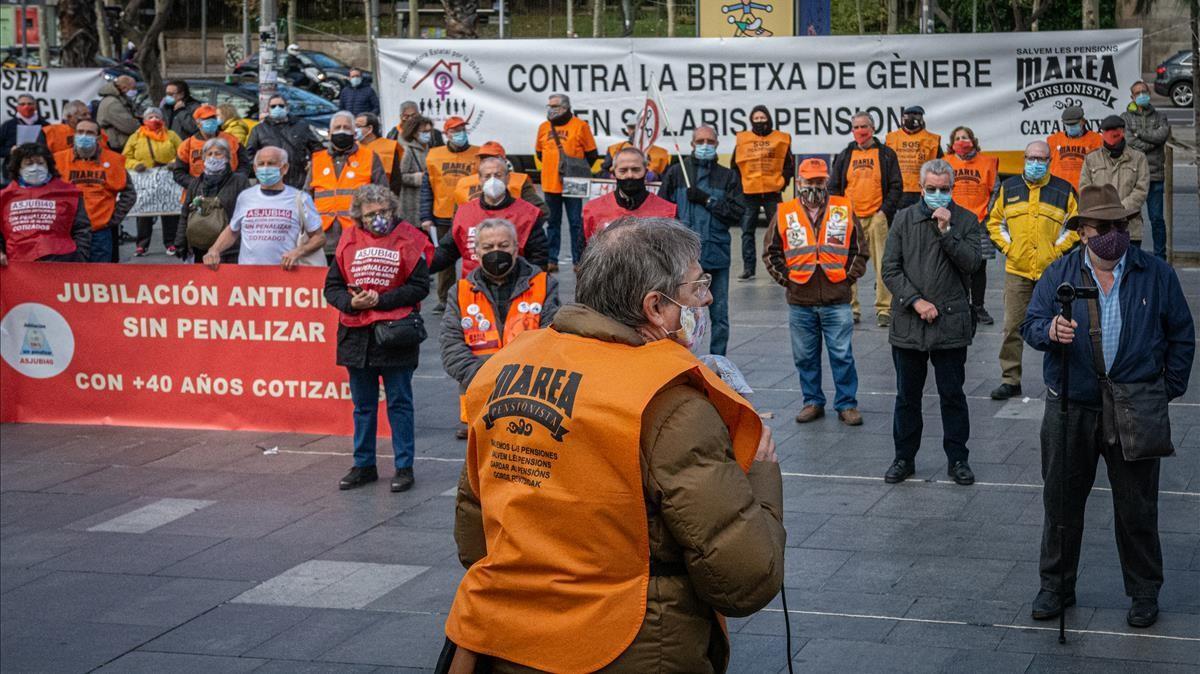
(834, 324)
(719, 311)
(1154, 213)
(102, 245)
(556, 203)
(364, 392)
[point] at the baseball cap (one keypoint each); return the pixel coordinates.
(204, 112)
(813, 168)
(453, 122)
(491, 149)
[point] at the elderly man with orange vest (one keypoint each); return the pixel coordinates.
(60, 136)
(335, 174)
(763, 161)
(501, 297)
(652, 486)
(445, 166)
(563, 136)
(189, 158)
(494, 203)
(99, 173)
(366, 130)
(867, 172)
(629, 198)
(519, 184)
(1071, 145)
(814, 249)
(914, 145)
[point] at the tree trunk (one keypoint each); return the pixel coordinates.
(670, 18)
(78, 24)
(462, 18)
(1091, 14)
(597, 18)
(893, 9)
(946, 19)
(858, 14)
(148, 55)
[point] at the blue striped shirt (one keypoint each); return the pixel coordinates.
(1110, 311)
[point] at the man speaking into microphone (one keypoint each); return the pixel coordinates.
(1128, 354)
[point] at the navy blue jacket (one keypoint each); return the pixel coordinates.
(357, 100)
(712, 220)
(1157, 333)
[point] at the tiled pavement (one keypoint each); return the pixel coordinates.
(152, 550)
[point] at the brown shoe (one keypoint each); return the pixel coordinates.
(810, 413)
(850, 417)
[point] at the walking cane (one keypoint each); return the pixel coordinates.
(1066, 297)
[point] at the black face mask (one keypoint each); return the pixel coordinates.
(760, 128)
(341, 140)
(561, 118)
(914, 123)
(631, 187)
(497, 263)
(1116, 150)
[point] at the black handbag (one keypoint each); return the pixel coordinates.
(400, 333)
(1133, 416)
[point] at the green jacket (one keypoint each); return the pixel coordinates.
(1148, 131)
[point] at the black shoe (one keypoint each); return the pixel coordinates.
(461, 433)
(440, 308)
(1006, 391)
(746, 275)
(901, 470)
(1143, 613)
(983, 316)
(357, 477)
(1048, 604)
(961, 472)
(404, 480)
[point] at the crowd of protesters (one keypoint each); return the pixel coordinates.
(393, 215)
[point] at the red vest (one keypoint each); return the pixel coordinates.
(37, 221)
(522, 214)
(379, 263)
(600, 213)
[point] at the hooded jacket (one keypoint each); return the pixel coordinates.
(115, 116)
(730, 547)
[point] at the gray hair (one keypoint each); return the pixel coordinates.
(563, 99)
(276, 148)
(494, 223)
(629, 149)
(939, 167)
(862, 114)
(502, 160)
(409, 104)
(373, 194)
(340, 114)
(152, 109)
(631, 258)
(74, 108)
(217, 142)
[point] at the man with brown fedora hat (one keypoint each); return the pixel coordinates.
(1134, 343)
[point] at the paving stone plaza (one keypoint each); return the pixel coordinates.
(156, 550)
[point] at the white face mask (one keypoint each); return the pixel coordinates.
(494, 188)
(693, 325)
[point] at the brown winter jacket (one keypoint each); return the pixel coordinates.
(819, 291)
(725, 526)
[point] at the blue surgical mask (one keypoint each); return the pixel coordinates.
(168, 100)
(85, 144)
(425, 137)
(355, 81)
(358, 133)
(268, 175)
(705, 152)
(937, 200)
(459, 138)
(278, 112)
(210, 126)
(1142, 100)
(1035, 170)
(1073, 130)
(35, 175)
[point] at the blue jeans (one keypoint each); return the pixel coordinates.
(719, 311)
(102, 245)
(834, 324)
(364, 391)
(1154, 215)
(556, 203)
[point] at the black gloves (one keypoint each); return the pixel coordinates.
(697, 195)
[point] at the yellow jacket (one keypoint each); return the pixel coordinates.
(1027, 223)
(140, 150)
(239, 128)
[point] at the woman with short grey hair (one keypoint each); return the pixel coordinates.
(209, 201)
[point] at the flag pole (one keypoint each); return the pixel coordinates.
(687, 181)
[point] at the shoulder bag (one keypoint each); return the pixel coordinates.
(1133, 416)
(568, 166)
(401, 333)
(206, 220)
(317, 257)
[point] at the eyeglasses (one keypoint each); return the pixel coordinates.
(1040, 160)
(938, 190)
(702, 285)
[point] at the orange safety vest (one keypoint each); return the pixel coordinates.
(805, 248)
(657, 158)
(388, 151)
(61, 137)
(913, 150)
(576, 139)
(468, 188)
(332, 193)
(37, 221)
(760, 160)
(864, 181)
(446, 168)
(190, 152)
(554, 455)
(1067, 153)
(974, 179)
(100, 179)
(522, 214)
(479, 316)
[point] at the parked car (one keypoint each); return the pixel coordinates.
(1173, 79)
(11, 58)
(332, 67)
(244, 96)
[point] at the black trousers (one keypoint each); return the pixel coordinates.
(1135, 501)
(768, 203)
(979, 285)
(949, 371)
(145, 228)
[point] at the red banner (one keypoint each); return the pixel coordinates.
(243, 348)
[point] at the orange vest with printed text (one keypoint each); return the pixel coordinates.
(1067, 153)
(974, 179)
(333, 193)
(479, 317)
(913, 150)
(760, 160)
(806, 248)
(446, 168)
(100, 179)
(553, 453)
(388, 151)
